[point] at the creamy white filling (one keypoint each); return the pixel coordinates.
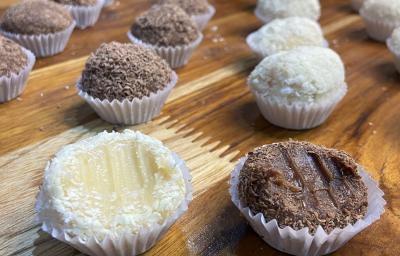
(111, 183)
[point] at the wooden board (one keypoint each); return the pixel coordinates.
(211, 120)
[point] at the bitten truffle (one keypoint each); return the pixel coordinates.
(36, 17)
(191, 7)
(124, 71)
(303, 185)
(77, 2)
(165, 25)
(13, 58)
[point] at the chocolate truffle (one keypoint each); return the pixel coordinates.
(36, 17)
(13, 58)
(303, 185)
(124, 71)
(77, 2)
(165, 25)
(191, 7)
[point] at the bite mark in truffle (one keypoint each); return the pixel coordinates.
(303, 185)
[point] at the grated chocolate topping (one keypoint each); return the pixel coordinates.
(32, 17)
(77, 2)
(13, 58)
(191, 7)
(165, 25)
(303, 185)
(124, 71)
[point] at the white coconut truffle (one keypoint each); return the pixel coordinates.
(268, 10)
(111, 184)
(286, 34)
(381, 17)
(305, 74)
(394, 40)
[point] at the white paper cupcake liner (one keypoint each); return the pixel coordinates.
(301, 242)
(297, 116)
(108, 2)
(255, 47)
(11, 87)
(130, 112)
(45, 44)
(395, 52)
(378, 30)
(203, 19)
(356, 4)
(125, 244)
(177, 56)
(86, 16)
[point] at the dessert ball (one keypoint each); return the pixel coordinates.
(268, 10)
(33, 17)
(286, 34)
(303, 185)
(393, 44)
(381, 17)
(124, 71)
(305, 74)
(165, 25)
(13, 58)
(191, 7)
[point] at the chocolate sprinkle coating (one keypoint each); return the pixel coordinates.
(36, 17)
(124, 71)
(191, 7)
(165, 25)
(303, 185)
(77, 2)
(13, 58)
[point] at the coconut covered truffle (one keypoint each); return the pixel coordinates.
(111, 184)
(13, 58)
(395, 40)
(124, 71)
(285, 34)
(273, 9)
(165, 25)
(191, 7)
(303, 185)
(36, 17)
(305, 74)
(77, 2)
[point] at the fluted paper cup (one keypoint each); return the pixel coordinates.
(108, 2)
(301, 242)
(86, 16)
(395, 52)
(43, 45)
(297, 116)
(356, 4)
(202, 19)
(130, 112)
(126, 244)
(176, 56)
(251, 41)
(11, 87)
(378, 30)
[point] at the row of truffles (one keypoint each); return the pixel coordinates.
(118, 194)
(300, 80)
(382, 20)
(300, 198)
(45, 26)
(172, 28)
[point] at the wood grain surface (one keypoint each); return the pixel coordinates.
(210, 119)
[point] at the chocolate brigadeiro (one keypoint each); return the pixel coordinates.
(13, 58)
(303, 185)
(191, 7)
(165, 25)
(77, 2)
(124, 71)
(36, 17)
